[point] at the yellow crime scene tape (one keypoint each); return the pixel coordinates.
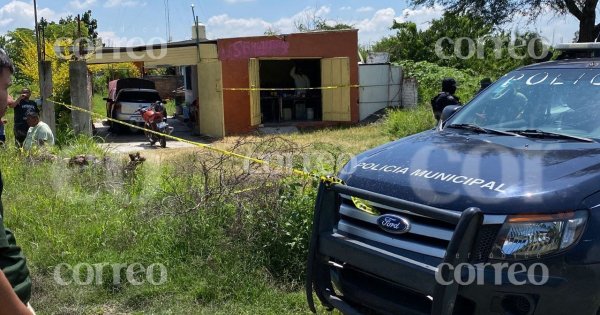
(293, 89)
(326, 179)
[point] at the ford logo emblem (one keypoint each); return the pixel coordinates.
(393, 224)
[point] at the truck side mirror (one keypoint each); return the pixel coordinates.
(448, 111)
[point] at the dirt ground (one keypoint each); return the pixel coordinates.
(135, 141)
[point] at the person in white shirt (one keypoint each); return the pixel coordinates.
(39, 133)
(301, 80)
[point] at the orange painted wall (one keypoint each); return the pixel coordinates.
(235, 52)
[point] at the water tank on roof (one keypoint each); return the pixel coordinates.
(199, 31)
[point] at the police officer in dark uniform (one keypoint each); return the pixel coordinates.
(445, 97)
(484, 83)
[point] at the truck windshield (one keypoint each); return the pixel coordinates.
(559, 101)
(138, 96)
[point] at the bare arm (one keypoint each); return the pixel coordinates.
(12, 103)
(11, 305)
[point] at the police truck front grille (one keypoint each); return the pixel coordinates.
(426, 236)
(484, 242)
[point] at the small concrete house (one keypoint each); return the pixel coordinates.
(244, 83)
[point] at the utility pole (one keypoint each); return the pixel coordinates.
(45, 76)
(38, 43)
(80, 55)
(193, 15)
(168, 18)
(43, 37)
(37, 32)
(197, 34)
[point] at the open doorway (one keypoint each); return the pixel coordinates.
(281, 106)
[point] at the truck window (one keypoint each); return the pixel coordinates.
(138, 96)
(553, 100)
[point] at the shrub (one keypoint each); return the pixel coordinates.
(430, 75)
(404, 122)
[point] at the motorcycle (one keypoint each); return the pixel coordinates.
(155, 119)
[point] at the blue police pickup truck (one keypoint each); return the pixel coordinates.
(495, 211)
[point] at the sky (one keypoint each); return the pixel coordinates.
(135, 22)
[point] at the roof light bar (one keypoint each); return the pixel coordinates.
(577, 46)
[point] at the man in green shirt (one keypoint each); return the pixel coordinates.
(39, 133)
(12, 261)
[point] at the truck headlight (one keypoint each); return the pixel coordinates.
(531, 236)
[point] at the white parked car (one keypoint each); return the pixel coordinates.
(126, 97)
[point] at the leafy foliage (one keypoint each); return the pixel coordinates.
(28, 67)
(463, 42)
(324, 26)
(67, 27)
(430, 75)
(3, 41)
(90, 23)
(103, 73)
(15, 41)
(18, 44)
(312, 21)
(498, 12)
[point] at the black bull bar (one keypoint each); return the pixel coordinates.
(318, 277)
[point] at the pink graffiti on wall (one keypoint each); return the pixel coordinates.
(244, 50)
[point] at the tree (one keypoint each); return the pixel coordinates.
(90, 23)
(67, 27)
(460, 41)
(499, 12)
(27, 66)
(16, 40)
(272, 31)
(410, 43)
(3, 41)
(320, 24)
(323, 26)
(311, 21)
(21, 46)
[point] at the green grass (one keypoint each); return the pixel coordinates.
(98, 104)
(232, 243)
(99, 214)
(352, 140)
(398, 123)
(402, 123)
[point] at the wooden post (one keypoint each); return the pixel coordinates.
(80, 97)
(48, 115)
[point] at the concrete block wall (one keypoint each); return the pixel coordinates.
(410, 93)
(165, 85)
